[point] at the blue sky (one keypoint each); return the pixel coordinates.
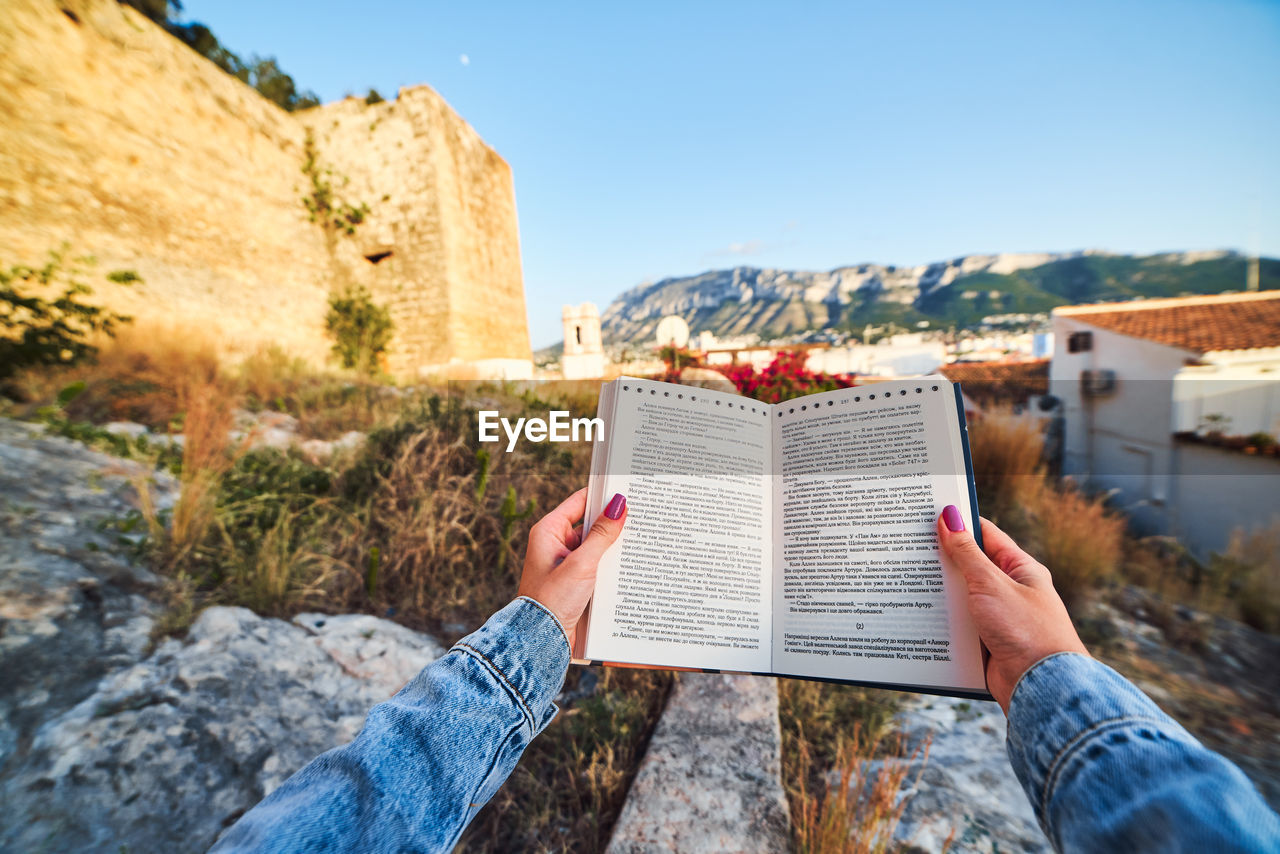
(659, 139)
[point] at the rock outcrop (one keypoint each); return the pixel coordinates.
(964, 788)
(168, 752)
(106, 745)
(72, 605)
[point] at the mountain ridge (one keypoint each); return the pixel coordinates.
(778, 304)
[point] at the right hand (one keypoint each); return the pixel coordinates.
(1020, 617)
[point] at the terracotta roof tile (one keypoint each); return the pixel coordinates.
(1199, 324)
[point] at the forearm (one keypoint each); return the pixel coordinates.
(428, 758)
(1106, 770)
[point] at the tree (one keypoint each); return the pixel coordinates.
(42, 318)
(360, 328)
(157, 10)
(262, 73)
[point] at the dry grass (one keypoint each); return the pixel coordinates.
(284, 571)
(569, 787)
(1077, 537)
(326, 403)
(816, 719)
(1007, 463)
(1251, 566)
(206, 457)
(1074, 534)
(139, 375)
(443, 520)
(861, 812)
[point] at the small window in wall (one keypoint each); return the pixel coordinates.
(1079, 342)
(377, 256)
(577, 333)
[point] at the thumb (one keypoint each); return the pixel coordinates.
(963, 551)
(604, 532)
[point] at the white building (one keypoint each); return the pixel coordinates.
(583, 349)
(897, 356)
(1133, 375)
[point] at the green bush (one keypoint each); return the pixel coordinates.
(43, 320)
(360, 328)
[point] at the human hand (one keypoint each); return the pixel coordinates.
(560, 564)
(1019, 615)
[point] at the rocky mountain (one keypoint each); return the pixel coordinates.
(959, 292)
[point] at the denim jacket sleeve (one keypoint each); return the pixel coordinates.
(1106, 770)
(430, 757)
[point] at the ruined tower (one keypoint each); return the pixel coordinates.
(123, 143)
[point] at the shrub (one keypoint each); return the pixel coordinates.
(677, 359)
(1078, 538)
(448, 550)
(1007, 463)
(43, 320)
(360, 329)
(1255, 561)
(136, 376)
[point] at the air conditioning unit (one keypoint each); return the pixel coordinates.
(1097, 383)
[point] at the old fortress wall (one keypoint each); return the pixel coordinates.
(123, 143)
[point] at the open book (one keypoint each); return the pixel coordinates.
(790, 539)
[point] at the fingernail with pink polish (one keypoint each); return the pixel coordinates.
(617, 504)
(952, 519)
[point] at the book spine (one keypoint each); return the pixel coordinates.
(974, 524)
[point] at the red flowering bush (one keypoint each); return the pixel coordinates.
(785, 377)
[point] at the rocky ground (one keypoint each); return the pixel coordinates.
(963, 789)
(1216, 677)
(111, 743)
(111, 739)
(1220, 679)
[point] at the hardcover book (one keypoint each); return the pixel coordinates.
(794, 539)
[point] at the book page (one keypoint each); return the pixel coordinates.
(860, 592)
(689, 582)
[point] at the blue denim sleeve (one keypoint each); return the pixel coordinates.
(430, 757)
(1106, 770)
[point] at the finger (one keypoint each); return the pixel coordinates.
(574, 538)
(980, 574)
(1000, 547)
(566, 514)
(1010, 557)
(604, 533)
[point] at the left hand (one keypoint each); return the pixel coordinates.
(560, 564)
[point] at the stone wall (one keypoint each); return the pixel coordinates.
(443, 206)
(121, 142)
